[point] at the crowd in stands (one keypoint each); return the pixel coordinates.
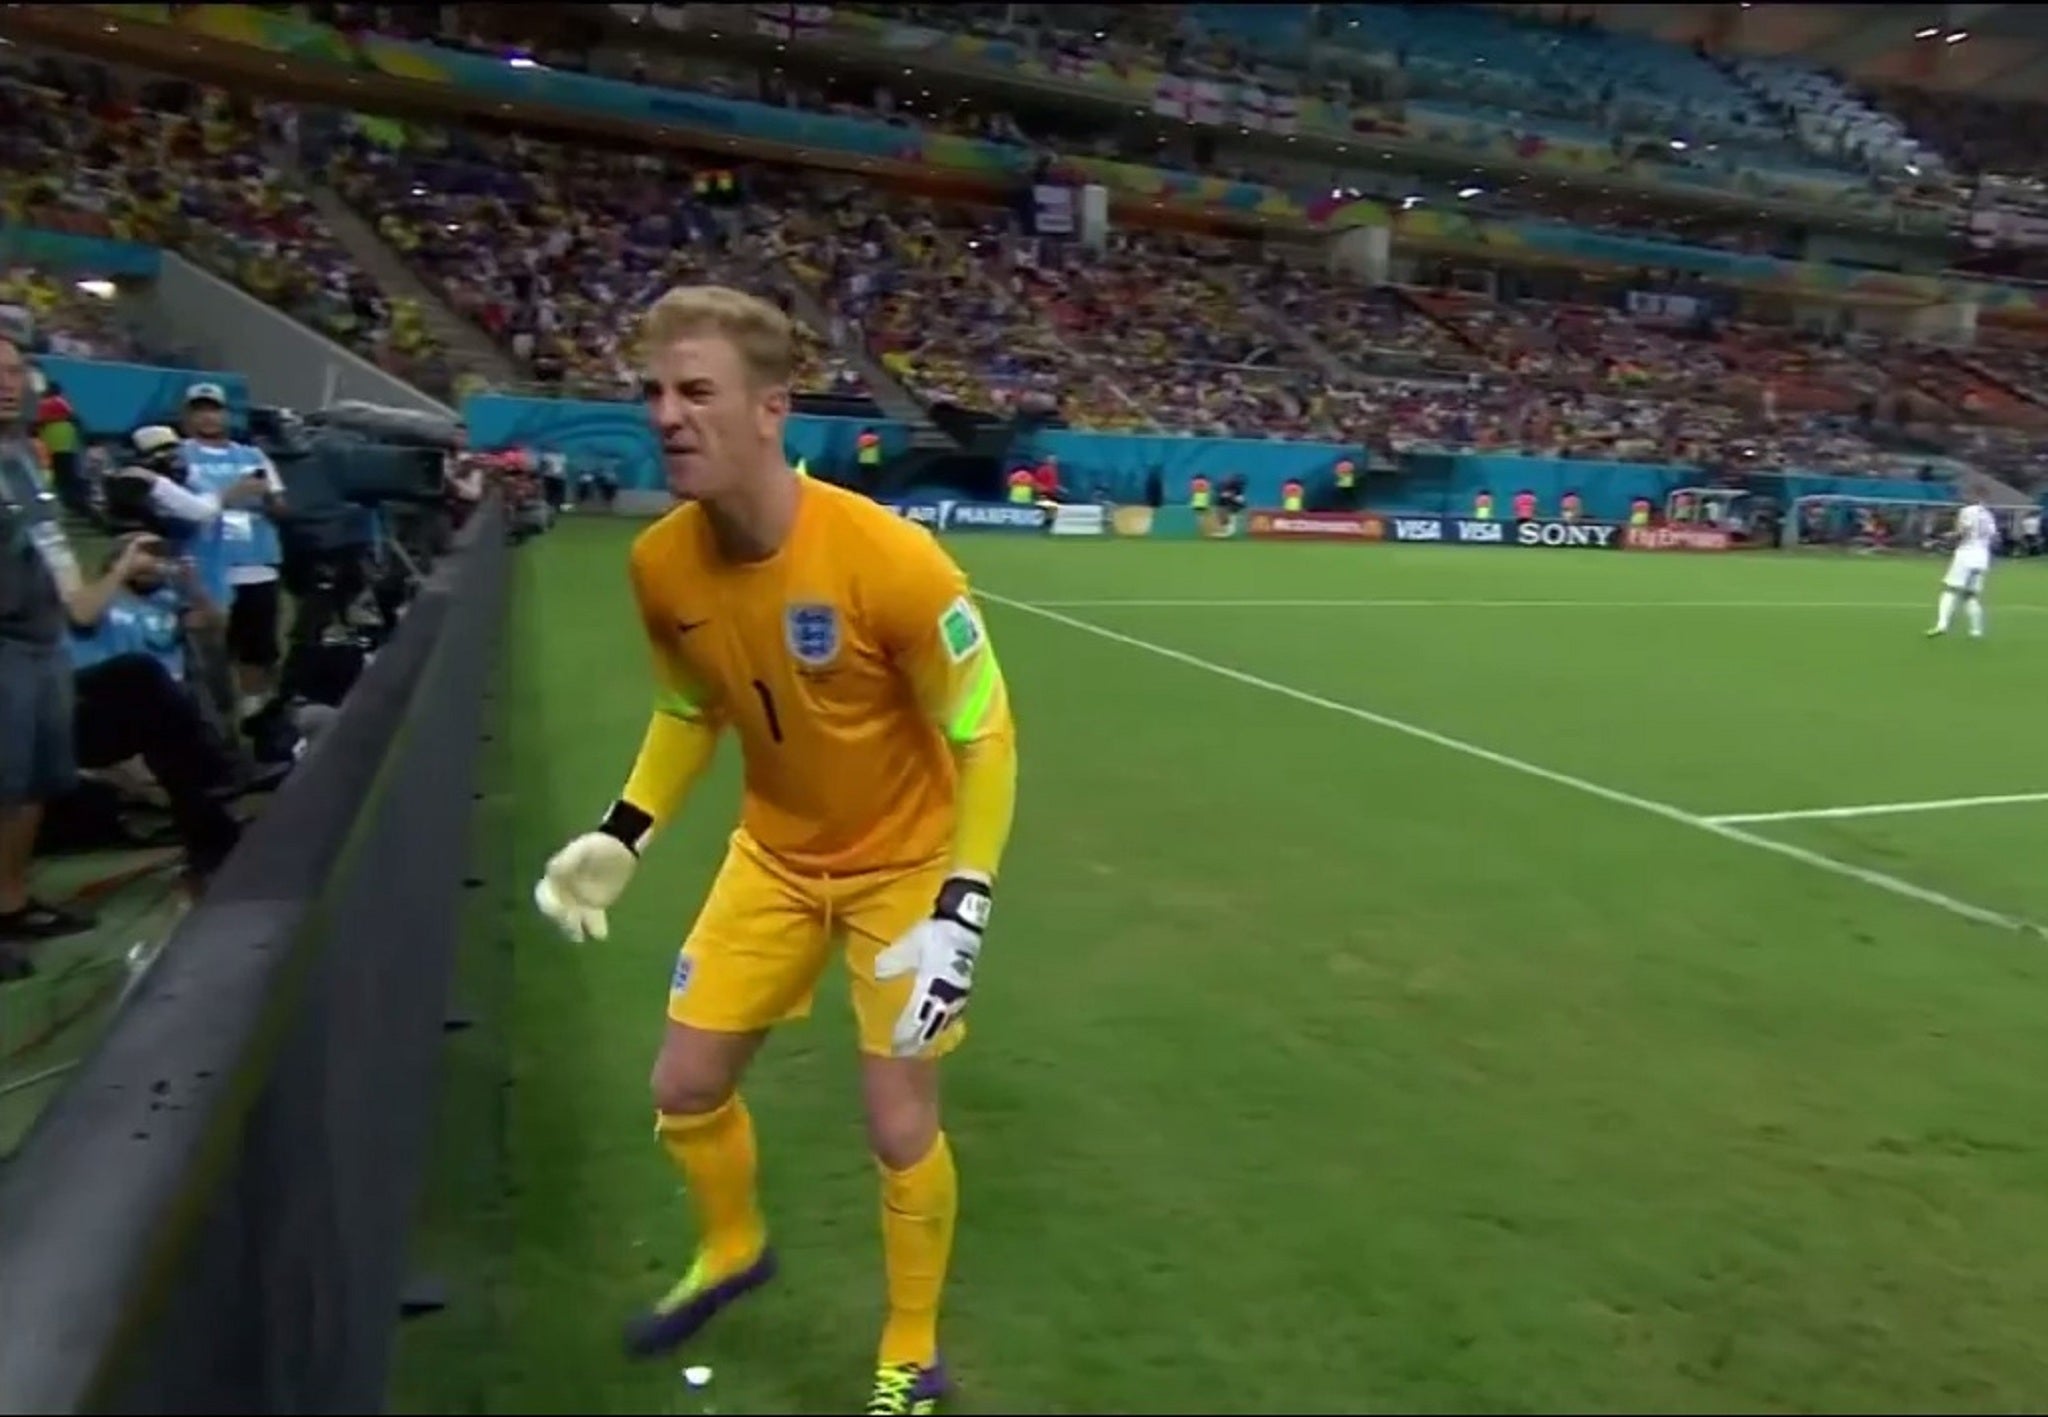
(1165, 332)
(191, 168)
(957, 308)
(1371, 330)
(1695, 109)
(961, 311)
(1148, 334)
(913, 294)
(1074, 36)
(548, 249)
(75, 322)
(1662, 104)
(1728, 119)
(1980, 135)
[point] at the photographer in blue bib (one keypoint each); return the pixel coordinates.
(127, 644)
(248, 485)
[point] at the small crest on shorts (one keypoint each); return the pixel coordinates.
(680, 980)
(812, 632)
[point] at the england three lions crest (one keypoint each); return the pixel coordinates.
(812, 632)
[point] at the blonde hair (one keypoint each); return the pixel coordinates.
(761, 333)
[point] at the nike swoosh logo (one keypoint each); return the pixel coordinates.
(683, 627)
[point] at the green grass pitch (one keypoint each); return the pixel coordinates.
(1320, 1066)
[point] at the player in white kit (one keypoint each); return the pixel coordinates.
(1976, 534)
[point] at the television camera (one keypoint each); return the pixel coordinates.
(366, 518)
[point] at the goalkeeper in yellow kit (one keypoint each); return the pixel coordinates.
(837, 641)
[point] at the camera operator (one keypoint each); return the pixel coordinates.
(218, 463)
(39, 575)
(127, 644)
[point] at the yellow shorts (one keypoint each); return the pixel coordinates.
(765, 934)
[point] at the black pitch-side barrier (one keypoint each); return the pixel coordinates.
(212, 1216)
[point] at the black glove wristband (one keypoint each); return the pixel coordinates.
(628, 824)
(964, 901)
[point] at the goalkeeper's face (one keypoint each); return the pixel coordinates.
(718, 429)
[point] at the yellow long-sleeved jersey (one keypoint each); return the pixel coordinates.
(855, 671)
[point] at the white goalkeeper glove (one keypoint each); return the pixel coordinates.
(940, 951)
(586, 878)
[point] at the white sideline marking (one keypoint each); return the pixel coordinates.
(1879, 809)
(1877, 880)
(1502, 605)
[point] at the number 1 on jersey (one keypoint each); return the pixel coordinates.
(768, 710)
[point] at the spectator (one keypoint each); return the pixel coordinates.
(576, 237)
(195, 175)
(56, 426)
(241, 475)
(38, 575)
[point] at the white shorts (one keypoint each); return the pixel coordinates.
(1966, 570)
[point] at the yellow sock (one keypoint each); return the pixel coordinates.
(919, 1204)
(715, 1152)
